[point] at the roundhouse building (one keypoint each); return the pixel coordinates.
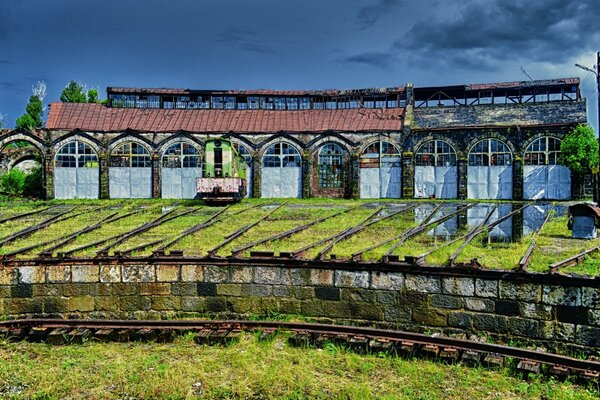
(486, 141)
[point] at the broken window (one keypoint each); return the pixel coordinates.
(380, 154)
(76, 154)
(436, 153)
(543, 151)
(182, 155)
(130, 154)
(282, 155)
(331, 166)
(489, 152)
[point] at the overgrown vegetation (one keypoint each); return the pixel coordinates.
(22, 184)
(252, 368)
(76, 93)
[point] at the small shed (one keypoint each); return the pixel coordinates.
(584, 220)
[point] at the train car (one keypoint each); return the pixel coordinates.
(224, 174)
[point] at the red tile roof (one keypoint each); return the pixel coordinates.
(99, 118)
(258, 92)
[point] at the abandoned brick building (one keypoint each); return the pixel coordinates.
(485, 141)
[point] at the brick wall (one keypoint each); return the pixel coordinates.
(511, 305)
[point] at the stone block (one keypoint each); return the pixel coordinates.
(110, 273)
(507, 307)
(327, 293)
(367, 311)
(215, 304)
(55, 305)
(430, 316)
(30, 275)
(125, 289)
(244, 305)
(206, 289)
(561, 331)
(361, 295)
(412, 299)
(387, 280)
(216, 274)
(524, 327)
(590, 297)
(19, 306)
(295, 276)
(445, 301)
(536, 311)
(323, 277)
(354, 279)
(490, 323)
(256, 290)
(192, 304)
(529, 292)
(162, 303)
(423, 283)
(486, 288)
(229, 289)
(58, 273)
(81, 303)
(460, 320)
(48, 290)
(154, 289)
(587, 335)
(458, 286)
(135, 303)
(85, 273)
(287, 306)
(8, 275)
(302, 293)
(167, 273)
(22, 290)
(282, 291)
(572, 315)
(397, 314)
(106, 303)
(386, 296)
(481, 305)
(187, 288)
(192, 273)
(321, 308)
(562, 295)
(267, 275)
(594, 317)
(139, 273)
(242, 274)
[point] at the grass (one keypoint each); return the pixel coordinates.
(553, 244)
(252, 368)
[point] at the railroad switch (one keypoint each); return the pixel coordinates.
(529, 366)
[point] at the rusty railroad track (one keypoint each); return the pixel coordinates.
(360, 339)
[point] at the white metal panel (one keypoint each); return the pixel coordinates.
(559, 182)
(141, 183)
(88, 183)
(249, 183)
(370, 183)
(535, 180)
(179, 183)
(65, 183)
(126, 182)
(424, 181)
(493, 182)
(390, 175)
(505, 182)
(446, 182)
(477, 183)
(281, 182)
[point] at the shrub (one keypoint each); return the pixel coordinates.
(12, 182)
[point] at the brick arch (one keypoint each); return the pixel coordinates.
(29, 155)
(56, 146)
(130, 138)
(496, 136)
(442, 138)
(526, 143)
(363, 144)
(24, 136)
(316, 144)
(262, 147)
(164, 145)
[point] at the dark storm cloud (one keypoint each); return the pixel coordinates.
(368, 15)
(379, 59)
(485, 33)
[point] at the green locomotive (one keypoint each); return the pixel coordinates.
(224, 173)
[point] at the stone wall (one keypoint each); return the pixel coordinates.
(561, 313)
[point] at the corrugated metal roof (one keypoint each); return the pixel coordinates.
(257, 92)
(96, 117)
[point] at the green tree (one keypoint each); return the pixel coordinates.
(579, 150)
(92, 96)
(73, 93)
(32, 119)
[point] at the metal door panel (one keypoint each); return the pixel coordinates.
(188, 182)
(65, 183)
(249, 183)
(171, 183)
(505, 186)
(559, 182)
(370, 184)
(88, 183)
(119, 178)
(477, 183)
(291, 182)
(535, 179)
(424, 181)
(141, 183)
(446, 182)
(270, 181)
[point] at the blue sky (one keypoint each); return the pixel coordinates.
(308, 44)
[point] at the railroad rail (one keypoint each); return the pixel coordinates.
(362, 339)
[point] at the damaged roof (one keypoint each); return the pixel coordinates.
(97, 117)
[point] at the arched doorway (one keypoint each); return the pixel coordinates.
(181, 164)
(331, 169)
(130, 172)
(542, 177)
(380, 171)
(490, 171)
(436, 173)
(76, 172)
(281, 174)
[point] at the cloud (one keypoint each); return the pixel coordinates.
(368, 15)
(485, 34)
(245, 40)
(379, 59)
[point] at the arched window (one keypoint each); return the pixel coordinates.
(489, 152)
(380, 154)
(436, 153)
(282, 155)
(543, 151)
(130, 154)
(182, 155)
(76, 154)
(331, 166)
(244, 152)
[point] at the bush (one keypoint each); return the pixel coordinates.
(579, 150)
(32, 186)
(12, 182)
